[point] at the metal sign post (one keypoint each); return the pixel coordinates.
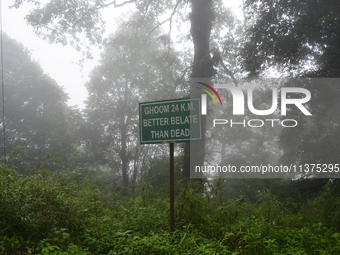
(172, 189)
(171, 121)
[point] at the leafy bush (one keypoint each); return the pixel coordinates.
(51, 213)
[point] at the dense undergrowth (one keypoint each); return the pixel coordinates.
(50, 213)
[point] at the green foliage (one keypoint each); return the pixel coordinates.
(63, 213)
(38, 119)
(299, 36)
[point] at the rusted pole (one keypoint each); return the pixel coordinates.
(172, 189)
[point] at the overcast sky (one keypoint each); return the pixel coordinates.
(61, 63)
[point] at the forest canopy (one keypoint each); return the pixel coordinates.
(78, 181)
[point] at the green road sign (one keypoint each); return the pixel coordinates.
(177, 120)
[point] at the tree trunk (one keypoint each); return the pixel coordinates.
(125, 160)
(201, 25)
(135, 168)
(124, 154)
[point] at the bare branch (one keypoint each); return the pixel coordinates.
(144, 15)
(147, 8)
(229, 72)
(170, 26)
(168, 19)
(114, 3)
(123, 3)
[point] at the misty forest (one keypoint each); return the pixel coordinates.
(77, 180)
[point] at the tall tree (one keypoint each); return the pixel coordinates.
(36, 111)
(131, 70)
(201, 18)
(301, 37)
